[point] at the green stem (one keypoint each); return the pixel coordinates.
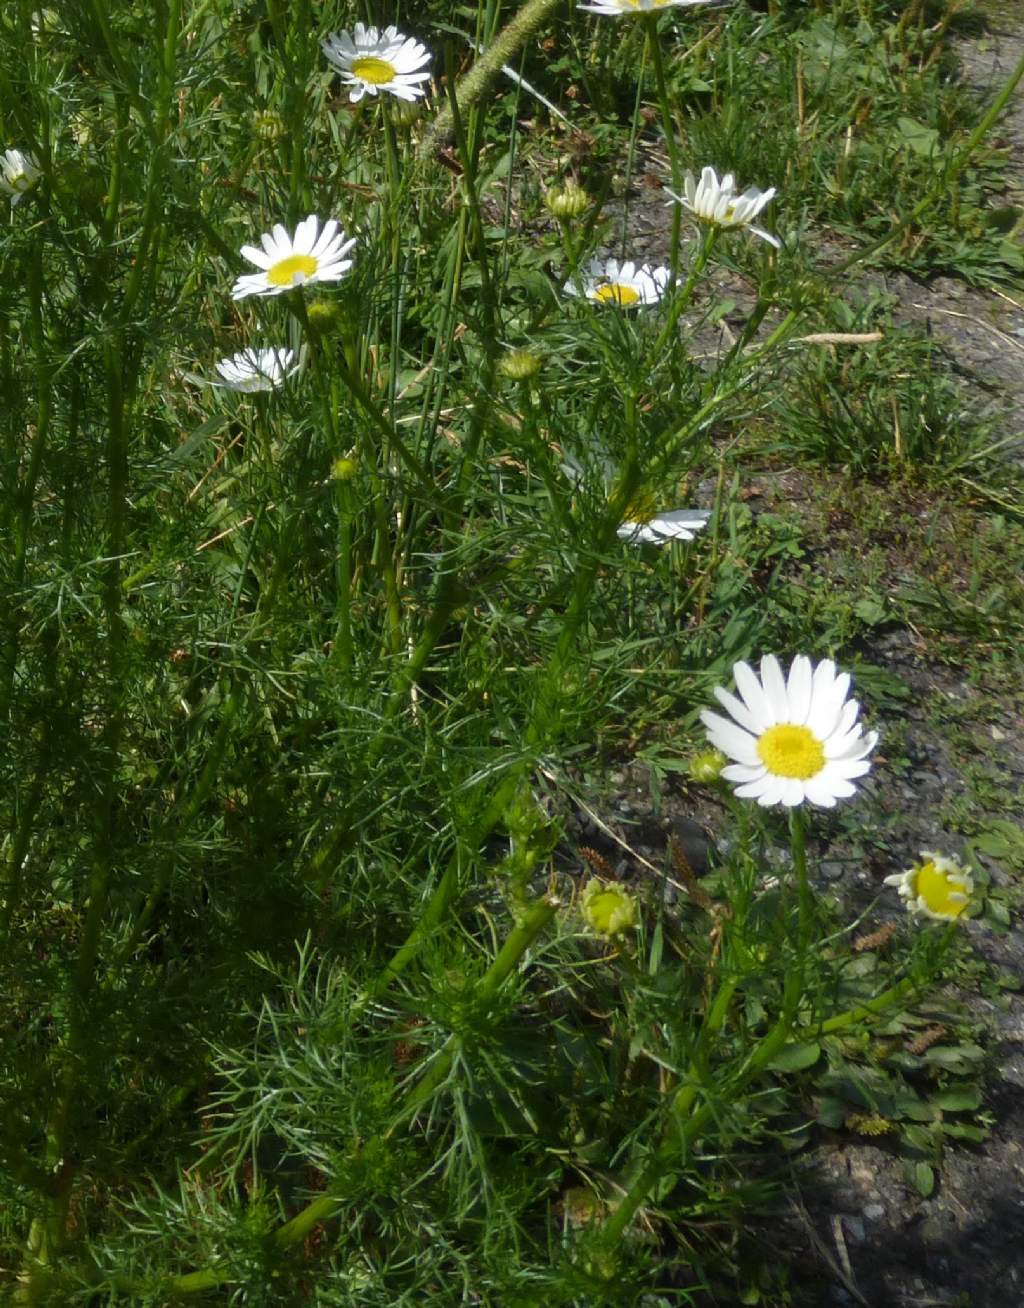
(708, 237)
(668, 124)
(477, 82)
(678, 1136)
(293, 1232)
(870, 1008)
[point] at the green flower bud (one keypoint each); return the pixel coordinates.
(324, 316)
(707, 767)
(519, 365)
(344, 469)
(607, 909)
(268, 125)
(405, 112)
(567, 201)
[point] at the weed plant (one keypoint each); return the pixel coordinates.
(304, 998)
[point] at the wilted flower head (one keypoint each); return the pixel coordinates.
(659, 528)
(625, 284)
(251, 370)
(937, 887)
(795, 740)
(607, 909)
(288, 261)
(19, 172)
(718, 202)
(371, 61)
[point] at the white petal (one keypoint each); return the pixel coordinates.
(819, 792)
(792, 792)
(798, 689)
(321, 248)
(752, 693)
(766, 236)
(743, 772)
(755, 723)
(847, 769)
(305, 235)
(775, 688)
(730, 738)
(255, 256)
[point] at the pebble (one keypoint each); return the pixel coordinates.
(874, 1212)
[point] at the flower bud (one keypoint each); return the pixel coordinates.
(404, 113)
(268, 125)
(607, 909)
(324, 316)
(519, 365)
(344, 469)
(566, 202)
(707, 767)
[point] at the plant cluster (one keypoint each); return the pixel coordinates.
(304, 998)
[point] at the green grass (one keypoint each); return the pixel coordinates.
(299, 688)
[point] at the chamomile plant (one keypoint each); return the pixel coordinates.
(372, 493)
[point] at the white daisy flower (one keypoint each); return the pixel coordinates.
(609, 282)
(287, 261)
(937, 887)
(371, 61)
(19, 172)
(678, 524)
(793, 740)
(617, 8)
(250, 370)
(717, 202)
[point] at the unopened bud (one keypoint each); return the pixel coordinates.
(567, 201)
(268, 125)
(404, 113)
(324, 316)
(519, 365)
(344, 469)
(707, 767)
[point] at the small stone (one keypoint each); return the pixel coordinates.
(853, 1227)
(874, 1212)
(996, 734)
(832, 871)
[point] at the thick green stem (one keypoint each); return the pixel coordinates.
(477, 82)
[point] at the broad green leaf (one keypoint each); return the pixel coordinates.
(795, 1058)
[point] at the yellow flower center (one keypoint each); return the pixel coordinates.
(294, 270)
(938, 889)
(616, 293)
(373, 70)
(787, 750)
(641, 508)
